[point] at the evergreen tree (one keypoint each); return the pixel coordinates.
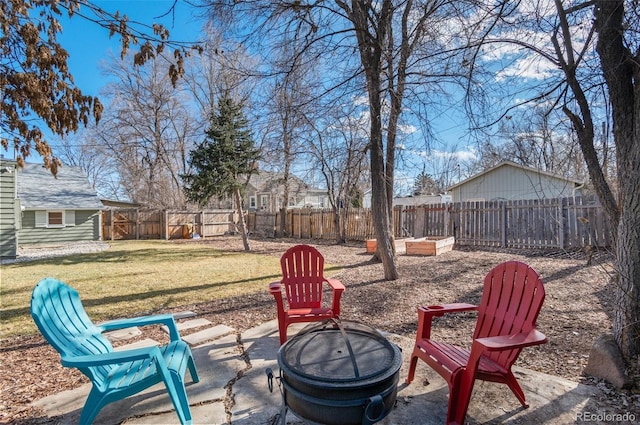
(424, 184)
(227, 154)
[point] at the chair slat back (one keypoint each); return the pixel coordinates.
(302, 276)
(511, 301)
(61, 318)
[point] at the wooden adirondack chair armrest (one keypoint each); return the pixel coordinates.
(426, 314)
(274, 288)
(113, 357)
(157, 319)
(337, 288)
(509, 342)
(441, 309)
(335, 284)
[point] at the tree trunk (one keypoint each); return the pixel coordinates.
(622, 75)
(370, 48)
(379, 205)
(282, 225)
(626, 320)
(335, 212)
(243, 223)
(342, 222)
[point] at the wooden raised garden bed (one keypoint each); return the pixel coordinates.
(400, 245)
(432, 245)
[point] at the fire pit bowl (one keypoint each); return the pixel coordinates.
(339, 373)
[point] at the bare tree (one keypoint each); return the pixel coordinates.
(618, 48)
(84, 150)
(287, 107)
(339, 149)
(538, 138)
(149, 129)
(223, 69)
(583, 64)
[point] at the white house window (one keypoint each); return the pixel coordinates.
(55, 218)
(252, 202)
(264, 200)
(292, 201)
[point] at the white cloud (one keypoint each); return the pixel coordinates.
(528, 67)
(463, 156)
(407, 129)
(468, 154)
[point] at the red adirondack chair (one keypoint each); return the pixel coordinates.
(303, 279)
(511, 300)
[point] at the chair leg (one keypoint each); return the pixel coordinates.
(182, 405)
(93, 405)
(459, 397)
(282, 329)
(517, 390)
(192, 369)
(178, 395)
(412, 368)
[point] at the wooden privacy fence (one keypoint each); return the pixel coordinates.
(134, 223)
(551, 223)
(306, 223)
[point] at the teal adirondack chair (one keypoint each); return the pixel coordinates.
(57, 310)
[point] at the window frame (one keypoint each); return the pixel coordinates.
(43, 219)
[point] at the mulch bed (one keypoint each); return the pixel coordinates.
(577, 309)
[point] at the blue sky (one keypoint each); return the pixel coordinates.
(88, 44)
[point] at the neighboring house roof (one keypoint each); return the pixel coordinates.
(70, 190)
(419, 200)
(513, 164)
(267, 181)
(114, 203)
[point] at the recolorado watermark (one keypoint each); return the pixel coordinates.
(606, 417)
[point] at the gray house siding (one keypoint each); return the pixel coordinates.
(86, 228)
(54, 210)
(512, 182)
(8, 210)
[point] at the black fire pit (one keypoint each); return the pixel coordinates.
(339, 373)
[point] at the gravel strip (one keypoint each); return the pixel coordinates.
(38, 252)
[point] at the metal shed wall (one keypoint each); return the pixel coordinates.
(512, 184)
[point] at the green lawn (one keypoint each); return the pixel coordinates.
(133, 278)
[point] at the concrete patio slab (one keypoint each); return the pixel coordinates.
(208, 334)
(189, 324)
(233, 389)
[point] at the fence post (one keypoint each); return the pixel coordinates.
(112, 225)
(561, 204)
(166, 224)
(420, 213)
(446, 220)
(503, 220)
